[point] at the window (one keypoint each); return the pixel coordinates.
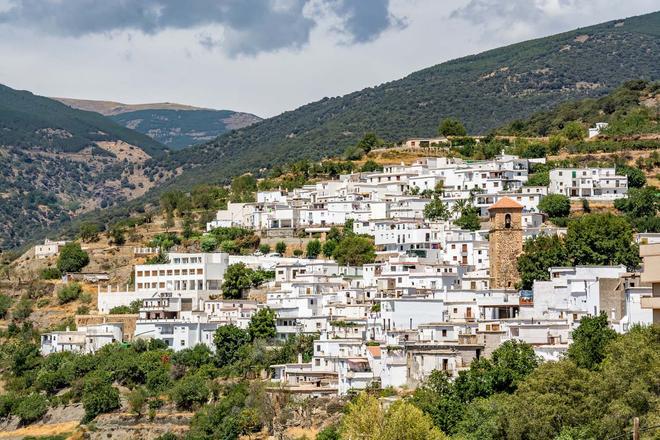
(444, 332)
(139, 273)
(183, 343)
(507, 221)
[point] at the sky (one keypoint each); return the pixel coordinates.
(261, 56)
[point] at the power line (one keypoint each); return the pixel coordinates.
(627, 433)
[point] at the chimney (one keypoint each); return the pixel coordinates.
(300, 359)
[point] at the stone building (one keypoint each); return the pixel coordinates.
(505, 242)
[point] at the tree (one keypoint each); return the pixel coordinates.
(601, 239)
(539, 254)
(469, 220)
(313, 249)
(22, 309)
(228, 339)
(555, 205)
(264, 248)
(364, 419)
(329, 248)
(370, 166)
(89, 232)
(262, 324)
(117, 235)
(640, 202)
(69, 292)
(589, 341)
(636, 177)
(329, 433)
(190, 392)
(72, 258)
(31, 408)
(136, 401)
(369, 142)
(298, 252)
(5, 304)
(436, 209)
(237, 279)
(355, 250)
(99, 397)
(451, 127)
(574, 131)
(280, 247)
(208, 243)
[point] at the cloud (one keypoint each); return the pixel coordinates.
(364, 20)
(521, 19)
(248, 26)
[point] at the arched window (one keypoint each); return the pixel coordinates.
(507, 221)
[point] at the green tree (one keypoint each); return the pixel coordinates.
(329, 433)
(238, 279)
(636, 177)
(469, 220)
(137, 400)
(5, 304)
(69, 292)
(313, 248)
(31, 408)
(555, 205)
(541, 178)
(355, 250)
(436, 209)
(589, 341)
(298, 252)
(369, 142)
(23, 309)
(190, 392)
(72, 258)
(574, 131)
(117, 235)
(208, 243)
(99, 397)
(371, 166)
(262, 324)
(601, 239)
(228, 339)
(451, 127)
(264, 248)
(89, 232)
(280, 247)
(539, 254)
(640, 202)
(329, 247)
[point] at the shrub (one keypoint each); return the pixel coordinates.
(190, 392)
(99, 397)
(313, 249)
(280, 247)
(5, 304)
(23, 309)
(137, 400)
(72, 258)
(31, 408)
(69, 292)
(264, 248)
(555, 205)
(50, 273)
(297, 252)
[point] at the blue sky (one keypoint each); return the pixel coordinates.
(260, 56)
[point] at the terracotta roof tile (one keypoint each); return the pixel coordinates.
(507, 203)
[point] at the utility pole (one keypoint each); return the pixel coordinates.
(636, 428)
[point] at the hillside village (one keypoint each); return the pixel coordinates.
(380, 278)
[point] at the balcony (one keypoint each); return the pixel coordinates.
(650, 302)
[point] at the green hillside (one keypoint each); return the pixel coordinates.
(182, 128)
(31, 121)
(52, 169)
(485, 91)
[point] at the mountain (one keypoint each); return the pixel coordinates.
(175, 125)
(56, 162)
(485, 91)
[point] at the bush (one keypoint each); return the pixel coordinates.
(5, 304)
(264, 248)
(137, 400)
(50, 273)
(69, 292)
(7, 403)
(72, 258)
(190, 392)
(31, 408)
(298, 252)
(313, 249)
(99, 397)
(280, 247)
(555, 205)
(23, 309)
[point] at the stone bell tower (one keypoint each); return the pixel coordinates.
(505, 241)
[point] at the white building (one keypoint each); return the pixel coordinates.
(589, 183)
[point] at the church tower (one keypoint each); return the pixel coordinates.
(505, 241)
